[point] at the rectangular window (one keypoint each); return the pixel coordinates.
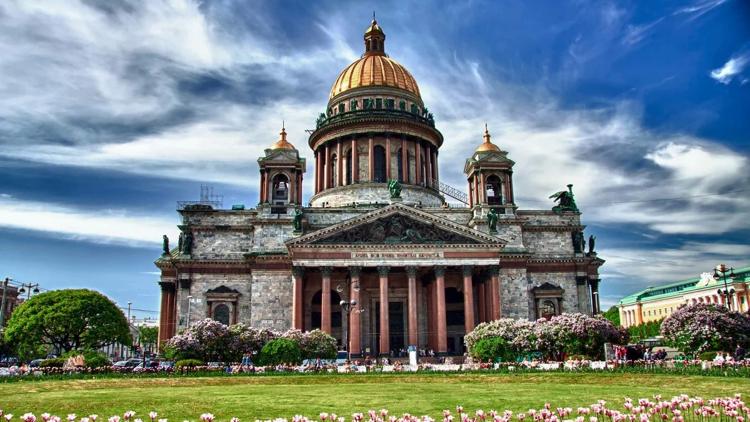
(402, 105)
(379, 103)
(389, 103)
(341, 108)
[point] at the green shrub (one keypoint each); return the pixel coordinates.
(280, 351)
(96, 360)
(53, 363)
(707, 356)
(188, 363)
(491, 349)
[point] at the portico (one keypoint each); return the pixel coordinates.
(419, 281)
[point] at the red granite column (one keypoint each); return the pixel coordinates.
(387, 157)
(385, 341)
(468, 300)
(442, 329)
(299, 188)
(404, 161)
(165, 311)
(371, 160)
(339, 165)
(355, 161)
(355, 337)
(413, 328)
(418, 162)
(431, 315)
(428, 166)
(326, 169)
(325, 301)
(298, 288)
(481, 302)
(489, 291)
(318, 171)
(496, 311)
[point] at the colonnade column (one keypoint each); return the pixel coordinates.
(428, 165)
(431, 316)
(327, 169)
(355, 161)
(385, 341)
(371, 159)
(355, 338)
(413, 337)
(417, 162)
(339, 165)
(298, 288)
(325, 300)
(495, 280)
(387, 157)
(404, 161)
(167, 316)
(468, 300)
(442, 329)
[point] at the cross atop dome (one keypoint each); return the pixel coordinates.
(487, 145)
(282, 143)
(374, 39)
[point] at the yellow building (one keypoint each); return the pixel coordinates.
(656, 303)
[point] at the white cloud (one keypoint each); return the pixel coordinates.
(109, 226)
(634, 34)
(699, 8)
(733, 67)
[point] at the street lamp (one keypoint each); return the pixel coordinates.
(23, 290)
(727, 293)
(348, 306)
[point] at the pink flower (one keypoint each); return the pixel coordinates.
(207, 417)
(28, 417)
(72, 417)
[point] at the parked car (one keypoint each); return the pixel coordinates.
(35, 363)
(8, 362)
(166, 365)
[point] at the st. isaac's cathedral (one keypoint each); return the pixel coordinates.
(378, 232)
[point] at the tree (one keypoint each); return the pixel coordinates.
(702, 327)
(613, 315)
(67, 320)
(645, 330)
(149, 337)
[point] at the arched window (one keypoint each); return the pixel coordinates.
(494, 190)
(349, 167)
(334, 170)
(400, 165)
(280, 188)
(221, 314)
(379, 164)
(548, 309)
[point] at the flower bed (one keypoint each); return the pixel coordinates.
(678, 409)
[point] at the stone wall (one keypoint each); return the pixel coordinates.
(552, 242)
(271, 300)
(201, 283)
(514, 297)
(371, 193)
(565, 280)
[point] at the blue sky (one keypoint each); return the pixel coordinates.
(110, 112)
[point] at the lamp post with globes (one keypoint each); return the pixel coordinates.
(726, 293)
(348, 306)
(28, 292)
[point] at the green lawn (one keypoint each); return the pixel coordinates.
(284, 396)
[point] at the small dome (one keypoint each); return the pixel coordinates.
(282, 143)
(374, 68)
(487, 145)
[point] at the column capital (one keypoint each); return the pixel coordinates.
(468, 270)
(439, 271)
(354, 271)
(494, 270)
(326, 271)
(298, 271)
(411, 271)
(384, 270)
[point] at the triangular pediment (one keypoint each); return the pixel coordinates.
(397, 224)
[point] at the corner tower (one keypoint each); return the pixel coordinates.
(375, 129)
(281, 171)
(489, 174)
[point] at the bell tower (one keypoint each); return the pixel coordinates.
(281, 171)
(489, 174)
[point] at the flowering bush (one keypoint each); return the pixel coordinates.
(677, 409)
(211, 340)
(566, 333)
(701, 327)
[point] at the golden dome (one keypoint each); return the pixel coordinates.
(374, 68)
(487, 145)
(282, 143)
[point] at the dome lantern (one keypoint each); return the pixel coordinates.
(487, 145)
(282, 143)
(374, 39)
